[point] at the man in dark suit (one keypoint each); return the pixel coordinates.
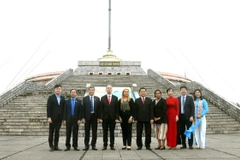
(143, 116)
(186, 111)
(55, 105)
(109, 116)
(72, 117)
(91, 109)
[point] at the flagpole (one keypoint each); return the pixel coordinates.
(109, 27)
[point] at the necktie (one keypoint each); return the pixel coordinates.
(183, 102)
(109, 99)
(91, 102)
(73, 105)
(143, 100)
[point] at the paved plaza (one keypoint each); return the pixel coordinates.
(36, 148)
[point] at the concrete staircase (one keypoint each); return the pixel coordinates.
(26, 114)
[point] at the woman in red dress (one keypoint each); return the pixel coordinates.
(172, 118)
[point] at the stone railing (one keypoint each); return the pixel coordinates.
(160, 79)
(59, 78)
(17, 90)
(31, 86)
(226, 106)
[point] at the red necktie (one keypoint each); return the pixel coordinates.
(143, 100)
(109, 100)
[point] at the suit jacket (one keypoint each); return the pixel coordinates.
(143, 112)
(87, 107)
(55, 110)
(188, 107)
(159, 110)
(109, 109)
(68, 110)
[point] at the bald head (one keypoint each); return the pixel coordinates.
(109, 89)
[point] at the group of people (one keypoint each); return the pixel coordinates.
(172, 118)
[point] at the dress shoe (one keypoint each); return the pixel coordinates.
(123, 147)
(148, 148)
(190, 147)
(76, 149)
(94, 148)
(67, 149)
(57, 149)
(104, 148)
(162, 148)
(51, 148)
(86, 148)
(139, 148)
(183, 147)
(157, 148)
(129, 147)
(113, 148)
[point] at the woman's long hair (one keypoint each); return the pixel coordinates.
(129, 98)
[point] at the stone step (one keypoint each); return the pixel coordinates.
(216, 121)
(224, 129)
(218, 116)
(26, 114)
(236, 126)
(22, 104)
(81, 132)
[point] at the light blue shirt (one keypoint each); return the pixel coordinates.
(73, 105)
(183, 103)
(204, 107)
(92, 103)
(58, 98)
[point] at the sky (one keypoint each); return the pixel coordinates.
(196, 38)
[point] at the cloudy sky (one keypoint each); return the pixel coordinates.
(199, 38)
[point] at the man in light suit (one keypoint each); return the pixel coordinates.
(72, 117)
(109, 116)
(55, 107)
(186, 111)
(91, 109)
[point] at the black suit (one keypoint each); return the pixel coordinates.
(160, 110)
(184, 118)
(109, 113)
(143, 115)
(71, 120)
(55, 112)
(91, 119)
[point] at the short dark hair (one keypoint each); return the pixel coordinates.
(57, 86)
(142, 88)
(169, 89)
(72, 90)
(183, 87)
(155, 92)
(91, 87)
(194, 96)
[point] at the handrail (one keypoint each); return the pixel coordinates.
(17, 90)
(59, 78)
(226, 106)
(22, 87)
(160, 79)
